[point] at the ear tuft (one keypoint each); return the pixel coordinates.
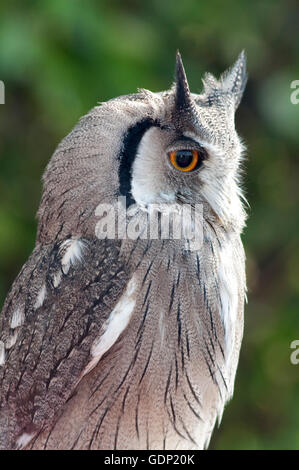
(184, 113)
(183, 99)
(234, 79)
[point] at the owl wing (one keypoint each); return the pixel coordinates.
(52, 315)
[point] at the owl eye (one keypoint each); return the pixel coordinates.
(185, 160)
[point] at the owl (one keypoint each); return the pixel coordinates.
(131, 342)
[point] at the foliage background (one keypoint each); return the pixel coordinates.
(59, 57)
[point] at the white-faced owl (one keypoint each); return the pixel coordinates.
(123, 342)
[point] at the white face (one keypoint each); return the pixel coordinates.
(166, 165)
(173, 168)
(192, 153)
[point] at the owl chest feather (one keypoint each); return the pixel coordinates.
(190, 325)
(176, 343)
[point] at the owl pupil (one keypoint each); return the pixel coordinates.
(184, 158)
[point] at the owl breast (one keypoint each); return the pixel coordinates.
(177, 333)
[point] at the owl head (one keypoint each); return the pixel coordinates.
(171, 147)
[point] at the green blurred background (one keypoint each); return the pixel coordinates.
(59, 58)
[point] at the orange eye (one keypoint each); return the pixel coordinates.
(185, 160)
